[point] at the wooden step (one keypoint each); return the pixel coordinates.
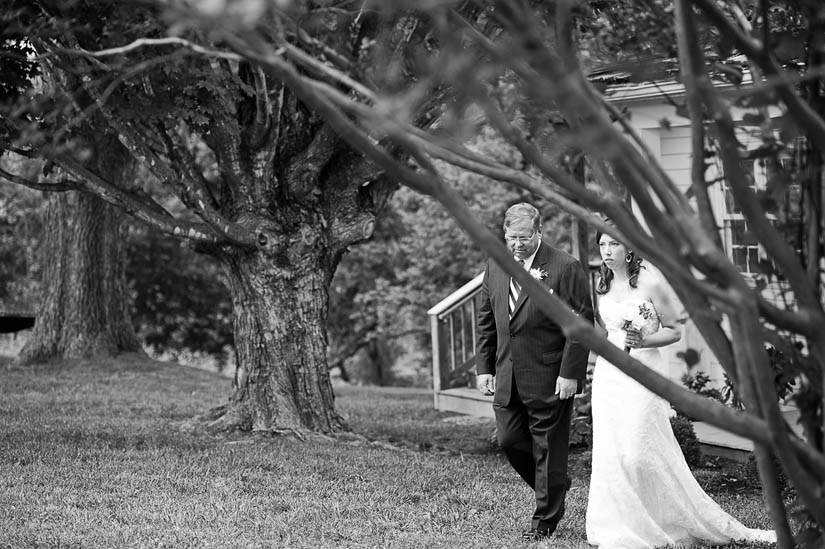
(718, 442)
(713, 440)
(464, 400)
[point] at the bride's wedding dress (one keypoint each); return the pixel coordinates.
(642, 493)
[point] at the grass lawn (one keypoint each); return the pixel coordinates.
(92, 455)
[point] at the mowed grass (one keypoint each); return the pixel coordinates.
(93, 455)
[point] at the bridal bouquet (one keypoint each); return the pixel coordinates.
(638, 316)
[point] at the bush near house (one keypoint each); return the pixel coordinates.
(686, 436)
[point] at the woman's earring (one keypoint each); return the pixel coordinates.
(629, 257)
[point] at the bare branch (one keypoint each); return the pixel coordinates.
(227, 145)
(143, 43)
(54, 186)
(263, 109)
(775, 245)
(807, 322)
(577, 100)
(333, 74)
(189, 191)
(305, 167)
(135, 142)
(195, 194)
(263, 156)
(694, 76)
(756, 386)
(140, 207)
(803, 113)
(330, 53)
(401, 130)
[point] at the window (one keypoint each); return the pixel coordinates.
(743, 249)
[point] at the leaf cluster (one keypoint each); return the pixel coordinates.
(16, 67)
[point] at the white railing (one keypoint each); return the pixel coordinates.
(454, 337)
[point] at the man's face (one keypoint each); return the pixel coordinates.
(521, 239)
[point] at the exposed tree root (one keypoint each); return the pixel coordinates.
(220, 420)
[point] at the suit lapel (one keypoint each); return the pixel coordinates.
(540, 263)
(503, 289)
(522, 297)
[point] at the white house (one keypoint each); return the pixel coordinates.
(652, 113)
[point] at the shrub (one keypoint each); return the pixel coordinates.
(581, 426)
(686, 436)
(750, 474)
(700, 383)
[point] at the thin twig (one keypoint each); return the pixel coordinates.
(51, 186)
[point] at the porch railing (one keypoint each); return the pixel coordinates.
(454, 337)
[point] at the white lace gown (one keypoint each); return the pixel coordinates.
(642, 493)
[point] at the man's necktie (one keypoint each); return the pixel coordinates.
(515, 290)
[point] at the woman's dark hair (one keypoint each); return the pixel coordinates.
(606, 275)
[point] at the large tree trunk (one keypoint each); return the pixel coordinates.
(84, 308)
(282, 382)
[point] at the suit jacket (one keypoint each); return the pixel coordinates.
(530, 349)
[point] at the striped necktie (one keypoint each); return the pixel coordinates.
(515, 290)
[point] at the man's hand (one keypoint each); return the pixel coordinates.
(566, 388)
(486, 383)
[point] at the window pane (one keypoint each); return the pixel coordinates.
(730, 205)
(753, 260)
(737, 227)
(748, 238)
(740, 258)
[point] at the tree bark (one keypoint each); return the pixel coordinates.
(282, 382)
(84, 309)
(280, 294)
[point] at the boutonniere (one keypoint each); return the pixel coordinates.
(538, 274)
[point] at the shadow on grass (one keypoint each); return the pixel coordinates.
(407, 418)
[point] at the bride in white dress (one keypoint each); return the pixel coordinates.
(642, 493)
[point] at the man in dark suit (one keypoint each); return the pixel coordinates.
(531, 367)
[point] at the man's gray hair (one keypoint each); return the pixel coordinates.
(522, 212)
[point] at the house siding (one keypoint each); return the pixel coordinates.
(675, 156)
(667, 136)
